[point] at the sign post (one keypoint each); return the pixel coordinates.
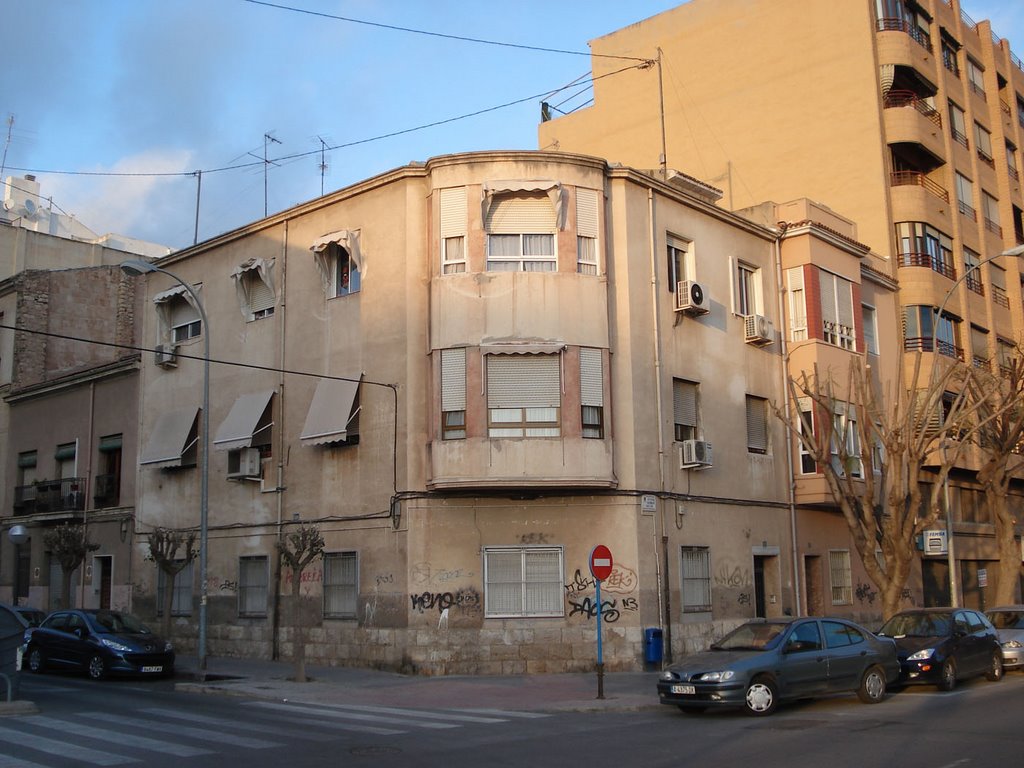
(600, 569)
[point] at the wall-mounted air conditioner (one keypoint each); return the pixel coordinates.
(757, 329)
(695, 454)
(691, 298)
(244, 463)
(166, 355)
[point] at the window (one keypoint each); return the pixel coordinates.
(679, 267)
(587, 205)
(973, 508)
(837, 310)
(847, 436)
(1005, 353)
(1020, 111)
(757, 424)
(453, 230)
(997, 276)
(808, 466)
(341, 585)
(685, 409)
(453, 394)
(921, 245)
(255, 288)
(253, 578)
(1011, 161)
(869, 320)
(523, 581)
(957, 124)
(106, 491)
(524, 395)
(965, 196)
(592, 392)
(747, 293)
(840, 576)
(976, 77)
(797, 304)
(696, 580)
(949, 49)
(983, 145)
(185, 321)
(66, 458)
(979, 348)
(521, 234)
(345, 278)
(920, 323)
(972, 272)
(990, 212)
(26, 467)
(181, 601)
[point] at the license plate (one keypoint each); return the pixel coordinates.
(152, 669)
(684, 689)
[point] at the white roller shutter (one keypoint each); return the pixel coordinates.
(523, 381)
(453, 212)
(517, 215)
(586, 212)
(453, 379)
(591, 378)
(261, 297)
(684, 403)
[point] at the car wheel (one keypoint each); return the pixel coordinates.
(872, 686)
(36, 660)
(97, 668)
(762, 696)
(995, 671)
(947, 677)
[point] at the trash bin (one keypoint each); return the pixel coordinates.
(653, 645)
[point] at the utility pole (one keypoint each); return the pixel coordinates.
(266, 138)
(7, 143)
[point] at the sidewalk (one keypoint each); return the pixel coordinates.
(623, 691)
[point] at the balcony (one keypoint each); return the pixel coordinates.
(999, 297)
(981, 363)
(924, 344)
(50, 496)
(993, 227)
(930, 261)
(896, 99)
(974, 284)
(917, 34)
(107, 491)
(919, 179)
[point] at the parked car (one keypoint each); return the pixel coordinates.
(1009, 623)
(764, 662)
(33, 616)
(100, 642)
(943, 645)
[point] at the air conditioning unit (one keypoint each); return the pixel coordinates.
(695, 454)
(166, 355)
(758, 330)
(244, 463)
(691, 298)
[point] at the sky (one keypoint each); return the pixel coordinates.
(157, 89)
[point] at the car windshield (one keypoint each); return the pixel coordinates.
(916, 625)
(755, 636)
(1007, 619)
(110, 621)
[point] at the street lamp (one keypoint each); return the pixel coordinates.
(136, 267)
(954, 598)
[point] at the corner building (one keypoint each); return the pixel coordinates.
(907, 117)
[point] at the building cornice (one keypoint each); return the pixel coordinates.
(123, 367)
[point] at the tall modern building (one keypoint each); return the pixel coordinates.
(907, 117)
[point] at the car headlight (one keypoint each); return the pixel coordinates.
(717, 677)
(114, 645)
(168, 646)
(668, 675)
(1013, 644)
(924, 653)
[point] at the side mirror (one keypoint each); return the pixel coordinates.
(78, 632)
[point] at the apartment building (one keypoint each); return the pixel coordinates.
(469, 372)
(907, 117)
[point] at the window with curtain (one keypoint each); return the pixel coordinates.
(521, 234)
(685, 409)
(587, 206)
(592, 392)
(757, 424)
(523, 582)
(345, 278)
(524, 395)
(341, 585)
(453, 394)
(696, 579)
(840, 576)
(253, 578)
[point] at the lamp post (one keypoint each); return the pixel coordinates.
(140, 267)
(954, 598)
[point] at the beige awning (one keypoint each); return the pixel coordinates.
(330, 412)
(523, 348)
(238, 429)
(173, 435)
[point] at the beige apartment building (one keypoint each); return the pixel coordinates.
(469, 372)
(907, 117)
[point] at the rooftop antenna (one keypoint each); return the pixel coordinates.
(7, 143)
(323, 164)
(266, 138)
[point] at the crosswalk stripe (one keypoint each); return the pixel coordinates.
(324, 725)
(183, 730)
(14, 762)
(505, 713)
(421, 713)
(117, 737)
(224, 722)
(68, 752)
(333, 713)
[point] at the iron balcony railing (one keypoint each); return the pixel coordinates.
(987, 159)
(993, 226)
(930, 261)
(895, 99)
(924, 344)
(916, 178)
(67, 495)
(981, 363)
(902, 25)
(974, 283)
(967, 210)
(999, 297)
(959, 137)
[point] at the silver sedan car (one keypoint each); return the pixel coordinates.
(1009, 623)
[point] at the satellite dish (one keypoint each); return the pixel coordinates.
(30, 208)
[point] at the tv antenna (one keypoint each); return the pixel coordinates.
(267, 140)
(323, 163)
(7, 143)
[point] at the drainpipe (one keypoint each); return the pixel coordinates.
(787, 410)
(279, 488)
(660, 557)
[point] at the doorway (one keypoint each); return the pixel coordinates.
(812, 583)
(103, 567)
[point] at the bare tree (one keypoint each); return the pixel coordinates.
(172, 550)
(298, 549)
(69, 544)
(1000, 401)
(885, 458)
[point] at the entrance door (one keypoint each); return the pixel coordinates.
(103, 566)
(935, 578)
(759, 599)
(812, 584)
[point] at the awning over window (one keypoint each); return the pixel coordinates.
(330, 412)
(347, 239)
(555, 192)
(257, 294)
(237, 430)
(173, 435)
(523, 348)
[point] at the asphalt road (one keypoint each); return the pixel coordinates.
(82, 723)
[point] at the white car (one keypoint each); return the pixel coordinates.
(1009, 623)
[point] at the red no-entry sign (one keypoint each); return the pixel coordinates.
(601, 562)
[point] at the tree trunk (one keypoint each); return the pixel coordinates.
(65, 584)
(1008, 570)
(168, 605)
(298, 636)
